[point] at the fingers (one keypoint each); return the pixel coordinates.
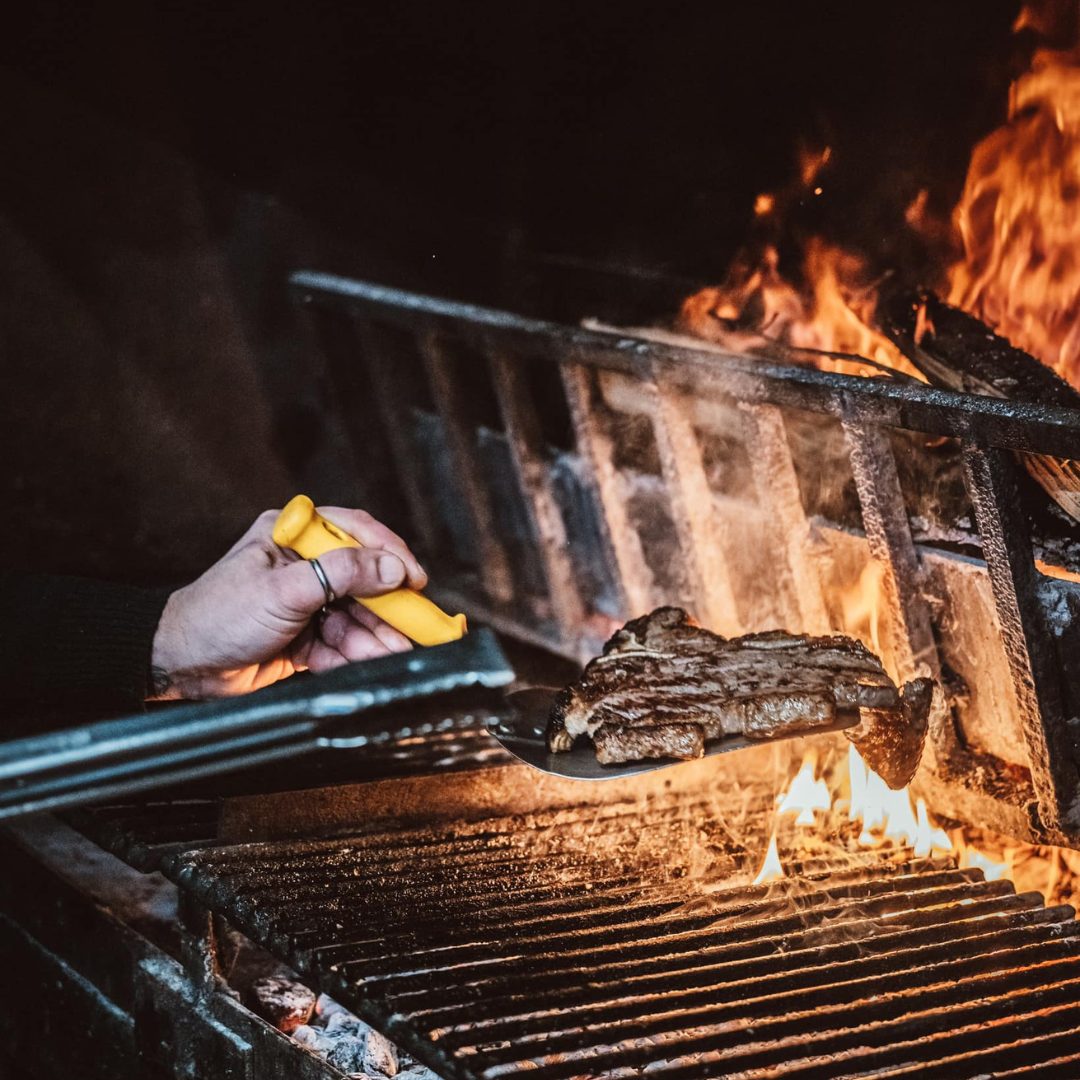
(321, 657)
(352, 640)
(393, 639)
(373, 534)
(340, 638)
(350, 572)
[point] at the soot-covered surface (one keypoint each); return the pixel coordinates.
(611, 940)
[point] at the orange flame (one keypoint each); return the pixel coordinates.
(1019, 216)
(757, 304)
(806, 793)
(771, 869)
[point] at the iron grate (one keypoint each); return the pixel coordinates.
(629, 939)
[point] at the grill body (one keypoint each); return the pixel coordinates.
(718, 513)
(607, 940)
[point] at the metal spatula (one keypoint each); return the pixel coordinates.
(523, 734)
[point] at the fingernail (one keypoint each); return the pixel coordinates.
(390, 569)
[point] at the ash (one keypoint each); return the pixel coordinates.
(354, 1047)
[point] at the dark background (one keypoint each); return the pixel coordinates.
(166, 166)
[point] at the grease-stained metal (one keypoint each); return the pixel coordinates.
(664, 377)
(586, 941)
(114, 758)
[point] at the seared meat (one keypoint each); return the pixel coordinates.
(664, 685)
(618, 742)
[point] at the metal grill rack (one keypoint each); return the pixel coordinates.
(414, 348)
(626, 939)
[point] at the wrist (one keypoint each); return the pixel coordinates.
(169, 673)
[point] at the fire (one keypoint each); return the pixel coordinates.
(897, 821)
(805, 794)
(861, 606)
(771, 869)
(1019, 216)
(1018, 221)
(830, 315)
(824, 305)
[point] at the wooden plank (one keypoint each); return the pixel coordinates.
(461, 438)
(692, 509)
(527, 447)
(393, 411)
(778, 491)
(594, 447)
(993, 483)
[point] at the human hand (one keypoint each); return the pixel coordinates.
(251, 619)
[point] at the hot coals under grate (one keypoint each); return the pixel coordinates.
(628, 939)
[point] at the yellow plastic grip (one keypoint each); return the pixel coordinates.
(301, 527)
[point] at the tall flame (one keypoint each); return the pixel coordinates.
(1018, 220)
(806, 793)
(1019, 216)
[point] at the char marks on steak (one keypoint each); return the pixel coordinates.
(663, 685)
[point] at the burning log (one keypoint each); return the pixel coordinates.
(957, 351)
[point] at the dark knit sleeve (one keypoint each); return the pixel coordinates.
(72, 642)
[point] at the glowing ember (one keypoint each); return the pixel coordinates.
(771, 869)
(805, 794)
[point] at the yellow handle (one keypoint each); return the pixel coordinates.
(301, 527)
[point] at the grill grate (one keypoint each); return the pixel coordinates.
(612, 940)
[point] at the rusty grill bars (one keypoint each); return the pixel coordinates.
(604, 942)
(673, 380)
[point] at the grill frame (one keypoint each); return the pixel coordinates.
(458, 939)
(964, 782)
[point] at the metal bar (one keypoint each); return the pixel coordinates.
(712, 595)
(984, 421)
(777, 487)
(394, 413)
(138, 753)
(496, 574)
(563, 945)
(806, 968)
(889, 537)
(527, 447)
(993, 483)
(594, 446)
(888, 534)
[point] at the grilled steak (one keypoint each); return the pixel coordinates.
(664, 685)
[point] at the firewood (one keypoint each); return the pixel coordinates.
(956, 351)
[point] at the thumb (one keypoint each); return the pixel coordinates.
(360, 572)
